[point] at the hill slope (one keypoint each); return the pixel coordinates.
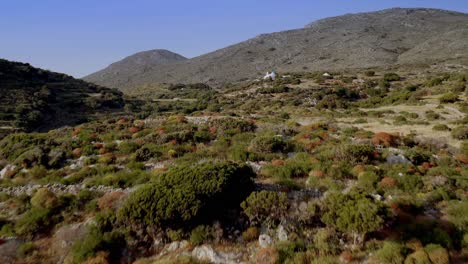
(36, 99)
(376, 39)
(134, 65)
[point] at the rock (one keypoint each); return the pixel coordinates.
(66, 236)
(282, 234)
(177, 245)
(8, 250)
(265, 241)
(397, 159)
(7, 170)
(207, 253)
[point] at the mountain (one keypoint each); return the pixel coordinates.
(392, 37)
(134, 65)
(34, 99)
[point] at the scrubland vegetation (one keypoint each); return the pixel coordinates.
(368, 167)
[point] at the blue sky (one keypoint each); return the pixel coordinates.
(78, 37)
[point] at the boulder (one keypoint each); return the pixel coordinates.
(207, 253)
(265, 241)
(282, 234)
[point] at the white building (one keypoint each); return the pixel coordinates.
(269, 75)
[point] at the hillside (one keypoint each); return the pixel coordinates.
(35, 99)
(385, 38)
(134, 65)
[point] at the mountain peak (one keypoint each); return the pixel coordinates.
(390, 37)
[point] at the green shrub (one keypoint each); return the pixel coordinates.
(418, 257)
(175, 235)
(188, 193)
(435, 81)
(25, 249)
(460, 132)
(250, 234)
(268, 144)
(326, 241)
(369, 73)
(44, 198)
(273, 90)
(448, 98)
(38, 172)
(34, 221)
(367, 181)
(437, 254)
(288, 250)
(127, 147)
(390, 253)
(417, 155)
(265, 207)
(431, 115)
(359, 153)
(440, 127)
(353, 213)
(147, 152)
(391, 77)
(200, 234)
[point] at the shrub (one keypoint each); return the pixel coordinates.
(369, 73)
(418, 257)
(460, 132)
(440, 127)
(33, 222)
(267, 255)
(391, 77)
(25, 249)
(273, 90)
(251, 234)
(265, 207)
(437, 254)
(147, 152)
(367, 181)
(359, 152)
(127, 147)
(390, 253)
(326, 241)
(200, 234)
(388, 183)
(268, 144)
(232, 124)
(418, 155)
(448, 98)
(38, 172)
(44, 198)
(175, 235)
(385, 139)
(431, 115)
(186, 193)
(353, 213)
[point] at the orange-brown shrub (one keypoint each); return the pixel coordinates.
(109, 200)
(346, 257)
(102, 151)
(277, 162)
(386, 139)
(317, 173)
(250, 234)
(123, 121)
(388, 183)
(414, 244)
(462, 158)
(267, 256)
(76, 131)
(134, 130)
(77, 152)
